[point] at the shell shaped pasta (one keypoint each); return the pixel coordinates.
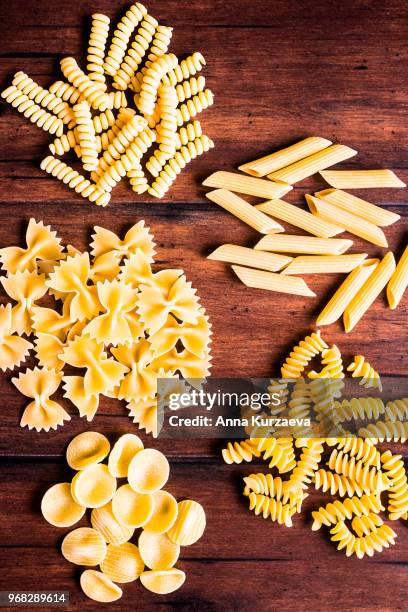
(157, 550)
(104, 521)
(87, 448)
(164, 514)
(84, 546)
(122, 453)
(32, 111)
(94, 486)
(99, 587)
(130, 508)
(13, 349)
(75, 392)
(59, 508)
(163, 582)
(25, 288)
(190, 523)
(137, 237)
(148, 471)
(122, 563)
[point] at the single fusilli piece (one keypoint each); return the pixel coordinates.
(189, 88)
(185, 135)
(332, 362)
(337, 484)
(138, 180)
(365, 475)
(302, 354)
(359, 408)
(151, 80)
(167, 127)
(186, 68)
(195, 105)
(366, 524)
(397, 410)
(101, 123)
(361, 449)
(33, 112)
(96, 48)
(66, 92)
(279, 512)
(341, 510)
(383, 537)
(307, 465)
(398, 489)
(237, 452)
(121, 37)
(135, 53)
(159, 46)
(86, 136)
(360, 368)
(90, 90)
(278, 390)
(279, 452)
(391, 431)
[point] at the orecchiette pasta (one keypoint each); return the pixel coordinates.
(84, 546)
(94, 486)
(59, 508)
(87, 448)
(122, 562)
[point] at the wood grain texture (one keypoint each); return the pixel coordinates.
(280, 72)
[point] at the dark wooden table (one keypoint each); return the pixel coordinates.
(280, 71)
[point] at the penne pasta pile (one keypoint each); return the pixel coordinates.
(90, 112)
(118, 512)
(278, 260)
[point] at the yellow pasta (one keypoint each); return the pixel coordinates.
(164, 513)
(302, 354)
(324, 264)
(59, 508)
(189, 525)
(163, 582)
(398, 282)
(314, 163)
(157, 550)
(122, 453)
(367, 294)
(90, 90)
(94, 486)
(284, 157)
(236, 452)
(84, 546)
(282, 513)
(189, 88)
(185, 69)
(104, 521)
(151, 81)
(360, 368)
(13, 349)
(132, 509)
(244, 211)
(300, 218)
(246, 185)
(194, 337)
(137, 237)
(193, 106)
(148, 471)
(357, 206)
(121, 37)
(308, 245)
(87, 448)
(351, 223)
(99, 587)
(122, 562)
(361, 179)
(249, 257)
(272, 281)
(87, 404)
(96, 48)
(43, 97)
(86, 135)
(346, 292)
(32, 111)
(25, 288)
(141, 381)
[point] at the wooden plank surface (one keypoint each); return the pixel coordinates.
(279, 71)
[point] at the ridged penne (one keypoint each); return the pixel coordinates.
(258, 279)
(398, 282)
(361, 179)
(300, 218)
(353, 224)
(314, 163)
(357, 206)
(324, 264)
(246, 184)
(284, 157)
(286, 243)
(244, 211)
(346, 292)
(369, 292)
(249, 257)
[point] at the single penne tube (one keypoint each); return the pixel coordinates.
(361, 179)
(247, 185)
(300, 218)
(284, 157)
(367, 294)
(244, 211)
(398, 282)
(353, 224)
(309, 245)
(258, 279)
(324, 264)
(346, 292)
(243, 256)
(314, 163)
(357, 206)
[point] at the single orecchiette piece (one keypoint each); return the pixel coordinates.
(337, 484)
(90, 90)
(189, 88)
(398, 489)
(151, 81)
(195, 105)
(66, 92)
(96, 48)
(135, 52)
(332, 362)
(13, 349)
(195, 337)
(75, 392)
(341, 510)
(42, 413)
(397, 410)
(86, 136)
(302, 354)
(365, 475)
(391, 431)
(237, 452)
(48, 122)
(279, 512)
(76, 181)
(186, 68)
(25, 288)
(360, 368)
(43, 97)
(121, 37)
(137, 237)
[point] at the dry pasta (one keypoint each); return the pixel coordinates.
(361, 208)
(300, 218)
(249, 257)
(398, 282)
(47, 121)
(309, 245)
(246, 184)
(87, 448)
(271, 281)
(323, 264)
(361, 179)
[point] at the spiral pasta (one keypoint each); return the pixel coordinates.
(359, 408)
(391, 431)
(86, 136)
(337, 484)
(237, 452)
(397, 410)
(96, 48)
(189, 88)
(117, 99)
(135, 52)
(302, 354)
(188, 110)
(89, 89)
(398, 490)
(266, 484)
(184, 135)
(366, 524)
(332, 362)
(307, 465)
(66, 92)
(361, 450)
(185, 69)
(121, 37)
(279, 512)
(138, 180)
(159, 46)
(151, 81)
(362, 473)
(167, 127)
(43, 97)
(340, 510)
(360, 368)
(381, 538)
(33, 112)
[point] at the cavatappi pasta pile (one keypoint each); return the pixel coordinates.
(117, 512)
(279, 260)
(362, 480)
(90, 113)
(106, 312)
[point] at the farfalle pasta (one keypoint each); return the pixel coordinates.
(13, 348)
(25, 288)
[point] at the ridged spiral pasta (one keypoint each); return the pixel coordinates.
(361, 450)
(337, 484)
(341, 510)
(138, 180)
(359, 408)
(332, 362)
(37, 115)
(300, 400)
(383, 537)
(323, 392)
(279, 451)
(43, 97)
(362, 473)
(185, 135)
(96, 48)
(360, 368)
(91, 91)
(189, 88)
(159, 46)
(237, 452)
(307, 465)
(117, 99)
(66, 92)
(279, 512)
(101, 123)
(185, 69)
(174, 165)
(280, 388)
(391, 431)
(151, 81)
(397, 410)
(167, 127)
(121, 37)
(398, 489)
(195, 105)
(86, 136)
(366, 524)
(302, 354)
(266, 484)
(135, 53)
(76, 181)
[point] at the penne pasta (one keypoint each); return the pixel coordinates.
(246, 184)
(353, 224)
(367, 294)
(324, 264)
(314, 163)
(309, 245)
(243, 256)
(346, 292)
(357, 206)
(244, 211)
(361, 179)
(300, 218)
(398, 282)
(282, 158)
(258, 279)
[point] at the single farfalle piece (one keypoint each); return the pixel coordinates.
(43, 413)
(144, 414)
(102, 374)
(42, 244)
(75, 391)
(192, 368)
(141, 380)
(13, 349)
(48, 350)
(137, 237)
(137, 270)
(177, 298)
(49, 321)
(194, 337)
(71, 277)
(105, 267)
(114, 326)
(25, 288)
